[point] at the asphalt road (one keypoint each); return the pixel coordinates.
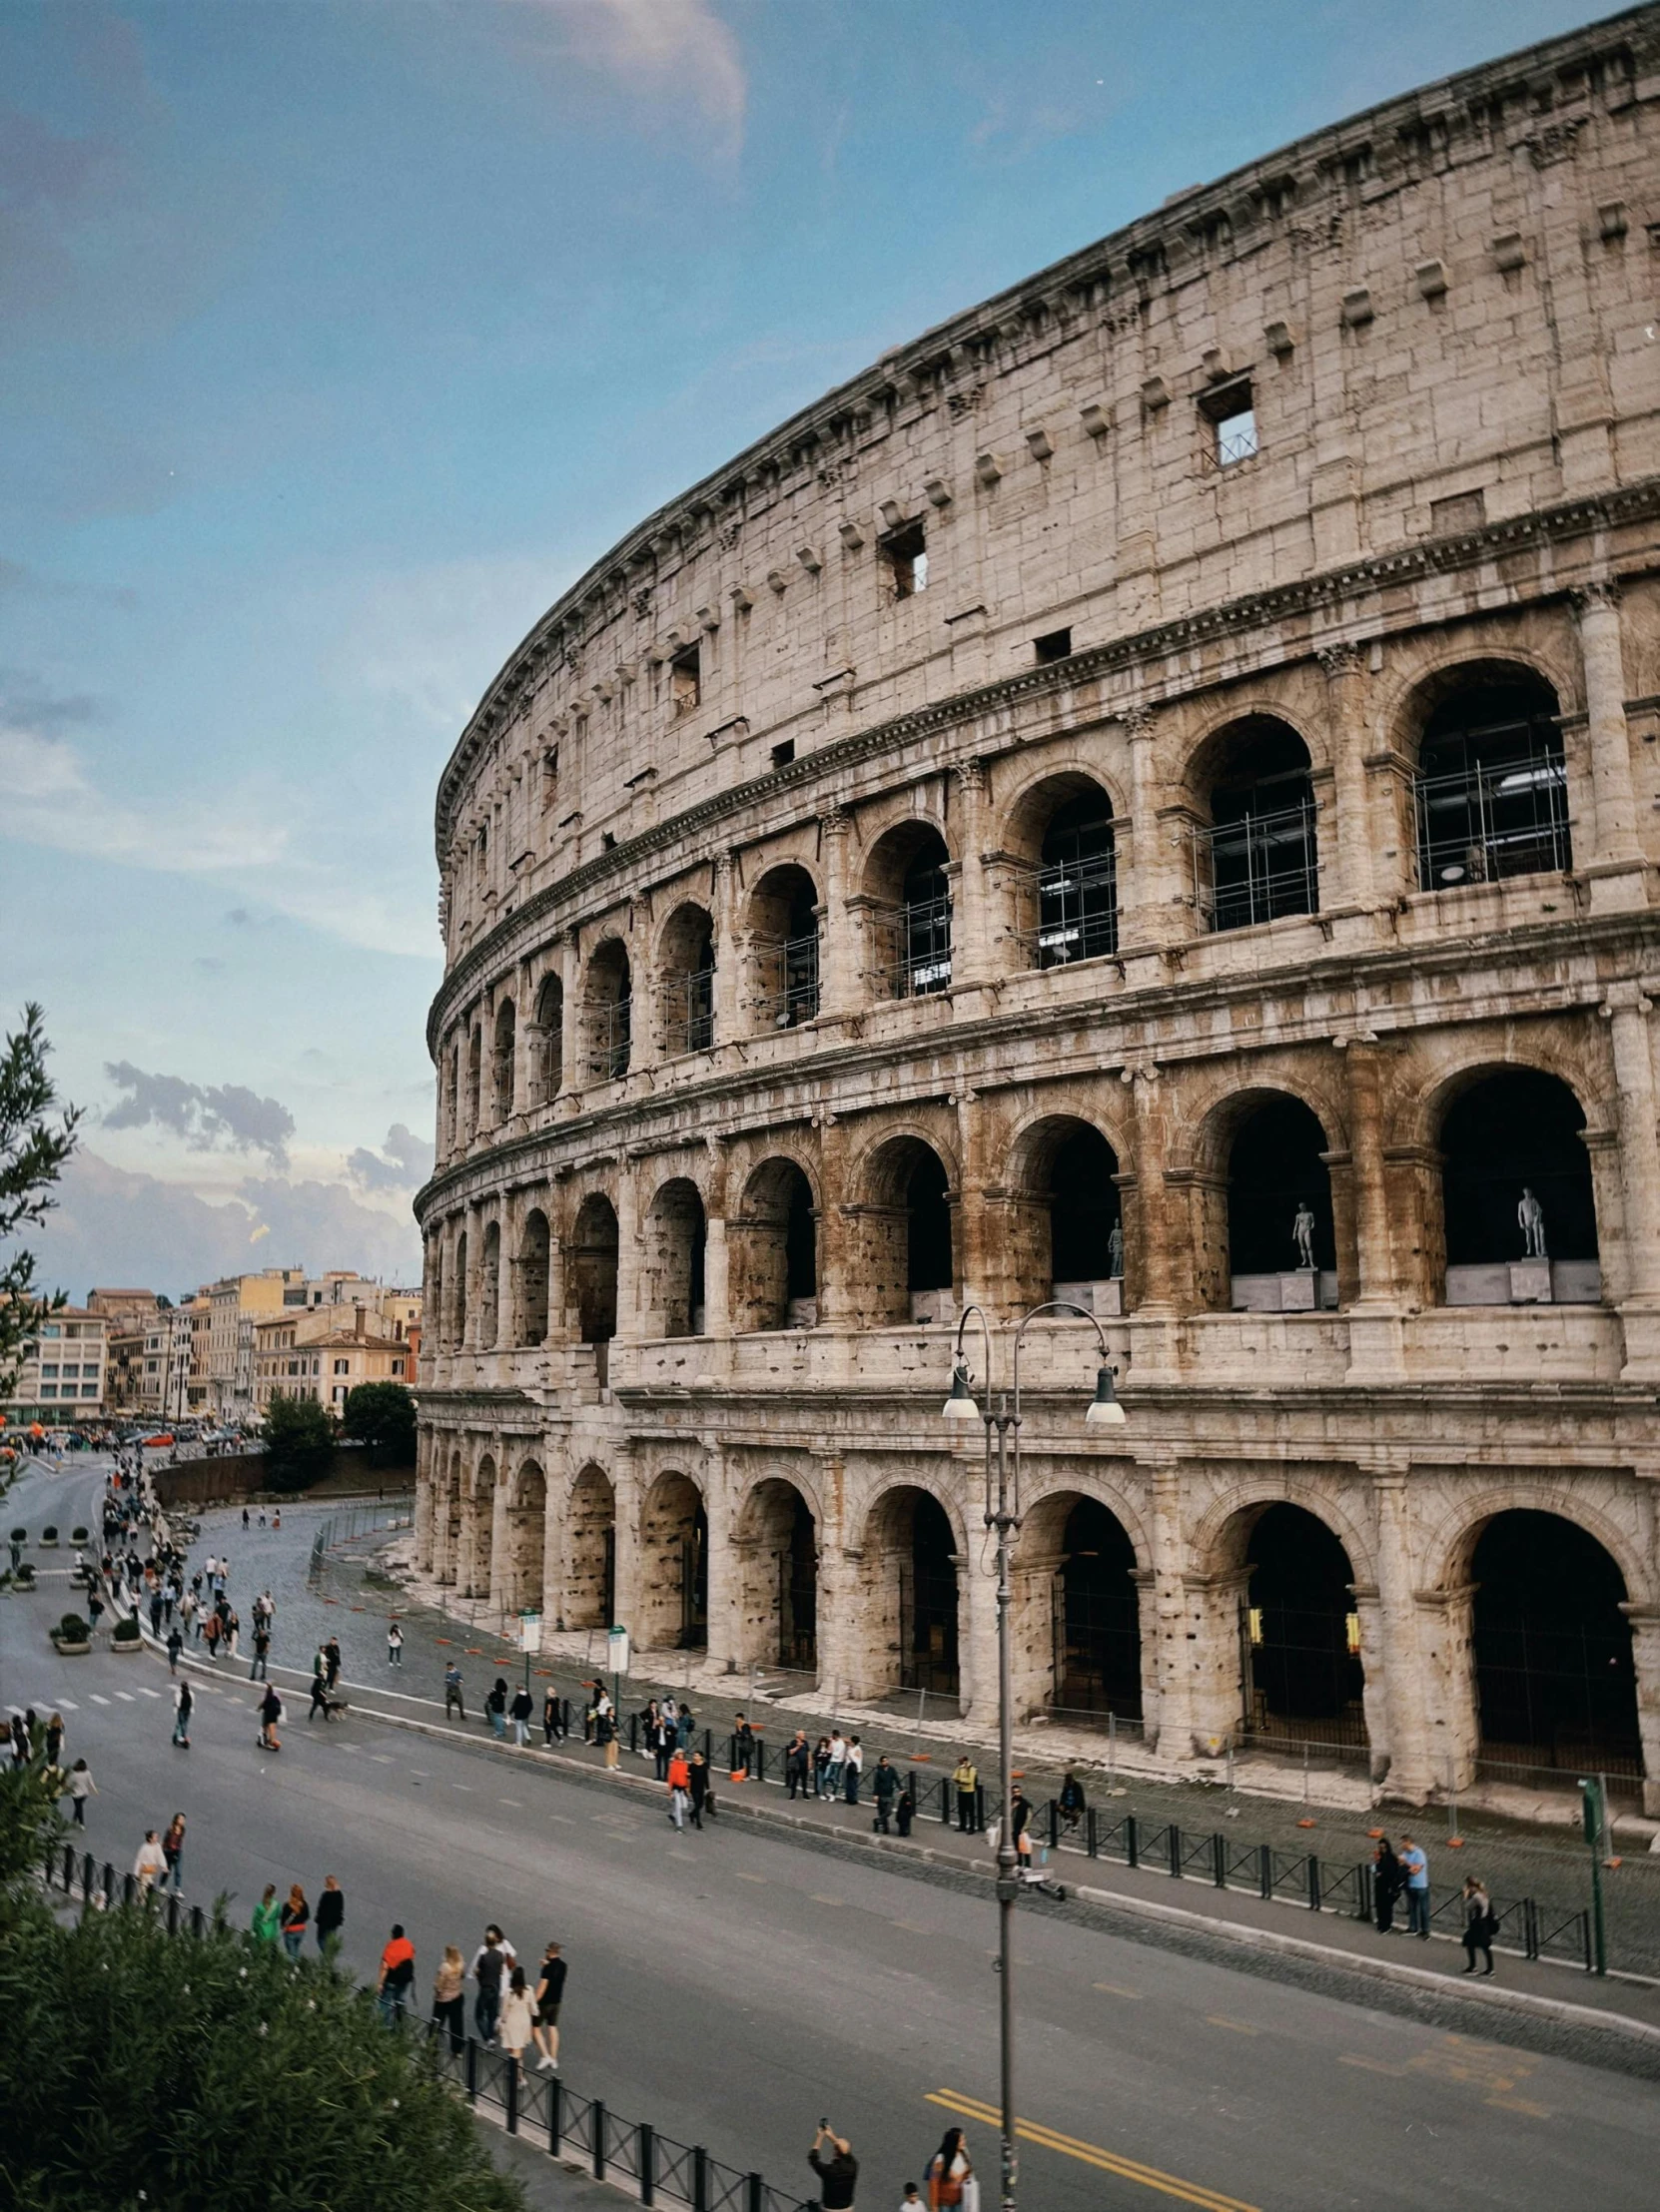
(730, 1987)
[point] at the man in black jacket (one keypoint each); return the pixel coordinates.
(838, 2173)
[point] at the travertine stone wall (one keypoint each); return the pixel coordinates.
(1442, 315)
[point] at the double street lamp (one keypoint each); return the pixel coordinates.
(1002, 1421)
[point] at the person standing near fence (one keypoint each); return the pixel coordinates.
(853, 1766)
(524, 1706)
(518, 2024)
(604, 1734)
(884, 1787)
(1415, 1866)
(1480, 1924)
(832, 2159)
(1072, 1801)
(553, 1720)
(550, 1995)
(964, 1781)
(797, 1764)
(81, 1786)
(258, 1667)
(151, 1859)
(496, 1707)
(397, 1975)
(1386, 1880)
(296, 1917)
(448, 2001)
(330, 1913)
(268, 1918)
(489, 1968)
(173, 1850)
(743, 1749)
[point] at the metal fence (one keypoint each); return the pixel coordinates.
(660, 2169)
(356, 1520)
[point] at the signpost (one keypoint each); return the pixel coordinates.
(530, 1640)
(1591, 1799)
(616, 1652)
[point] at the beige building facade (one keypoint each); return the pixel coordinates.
(323, 1354)
(63, 1378)
(1148, 796)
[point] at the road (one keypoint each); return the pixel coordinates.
(731, 1987)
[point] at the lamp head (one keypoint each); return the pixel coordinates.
(1105, 1410)
(960, 1406)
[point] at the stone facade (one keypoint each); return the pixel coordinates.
(1171, 750)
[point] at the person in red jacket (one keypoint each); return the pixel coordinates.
(679, 1788)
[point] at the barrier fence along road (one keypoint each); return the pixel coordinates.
(532, 2104)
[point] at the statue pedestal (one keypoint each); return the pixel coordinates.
(1298, 1291)
(1530, 1282)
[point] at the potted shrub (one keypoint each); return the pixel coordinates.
(72, 1635)
(77, 1536)
(49, 1538)
(23, 1582)
(125, 1636)
(20, 1536)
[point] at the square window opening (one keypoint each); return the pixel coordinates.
(685, 679)
(783, 754)
(1053, 645)
(906, 554)
(1232, 415)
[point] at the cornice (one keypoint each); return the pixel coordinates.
(1160, 249)
(1332, 588)
(1140, 1016)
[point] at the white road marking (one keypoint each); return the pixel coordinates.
(126, 1696)
(97, 1699)
(66, 1705)
(381, 1758)
(465, 1787)
(144, 1692)
(421, 1774)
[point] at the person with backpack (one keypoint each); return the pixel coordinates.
(520, 1709)
(397, 1976)
(495, 1707)
(490, 1968)
(950, 2175)
(1072, 1801)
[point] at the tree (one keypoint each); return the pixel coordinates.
(383, 1415)
(299, 1442)
(33, 1150)
(201, 2074)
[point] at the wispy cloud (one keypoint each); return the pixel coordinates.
(209, 1116)
(407, 1161)
(651, 48)
(56, 801)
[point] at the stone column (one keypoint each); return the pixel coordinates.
(423, 1499)
(558, 1321)
(625, 1479)
(728, 1015)
(1447, 1673)
(971, 919)
(971, 1225)
(628, 1253)
(1165, 1661)
(1615, 864)
(725, 1568)
(1349, 881)
(1645, 1652)
(717, 1299)
(836, 1232)
(572, 1074)
(1144, 916)
(1376, 1344)
(557, 1476)
(840, 949)
(976, 1589)
(1405, 1735)
(1627, 1012)
(840, 1630)
(502, 1574)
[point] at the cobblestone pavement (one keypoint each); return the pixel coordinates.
(361, 1588)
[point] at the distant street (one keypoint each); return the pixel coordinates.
(732, 1988)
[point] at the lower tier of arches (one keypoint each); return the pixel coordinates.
(1437, 1627)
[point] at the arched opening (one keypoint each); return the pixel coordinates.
(778, 1560)
(452, 1522)
(550, 1048)
(502, 1060)
(475, 1079)
(1076, 880)
(437, 1306)
(534, 1254)
(482, 1518)
(772, 1251)
(1301, 1634)
(688, 982)
(1282, 1243)
(489, 1290)
(608, 1013)
(592, 1274)
(457, 1314)
(671, 1281)
(1069, 1223)
(453, 1119)
(1257, 859)
(783, 923)
(1492, 785)
(1077, 1617)
(1517, 1204)
(521, 1588)
(905, 1267)
(1555, 1678)
(590, 1552)
(674, 1567)
(908, 891)
(912, 1561)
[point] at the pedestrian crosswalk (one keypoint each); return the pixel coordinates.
(97, 1699)
(126, 1696)
(145, 1692)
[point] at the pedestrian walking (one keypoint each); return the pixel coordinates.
(173, 1852)
(258, 1667)
(1415, 1866)
(54, 1738)
(852, 1767)
(743, 1749)
(156, 1613)
(1020, 1814)
(151, 1859)
(294, 1918)
(320, 1697)
(331, 1654)
(175, 1645)
(550, 1995)
(394, 1645)
(679, 1788)
(81, 1786)
(452, 1692)
(662, 1740)
(950, 2174)
(488, 1969)
(495, 1707)
(448, 2001)
(268, 1918)
(517, 2023)
(965, 1781)
(798, 1763)
(184, 1704)
(212, 1634)
(271, 1712)
(520, 1710)
(884, 1787)
(904, 1808)
(832, 2159)
(233, 1630)
(397, 1976)
(1480, 1924)
(553, 1721)
(1388, 1882)
(1072, 1801)
(330, 1913)
(604, 1734)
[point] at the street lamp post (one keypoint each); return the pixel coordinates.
(1002, 1421)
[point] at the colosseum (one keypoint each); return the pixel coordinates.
(1145, 798)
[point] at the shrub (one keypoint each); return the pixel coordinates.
(26, 1572)
(299, 1442)
(20, 1536)
(77, 1536)
(73, 1630)
(49, 1534)
(126, 1630)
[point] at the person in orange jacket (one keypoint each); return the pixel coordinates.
(679, 1788)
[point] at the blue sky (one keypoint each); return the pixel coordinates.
(335, 339)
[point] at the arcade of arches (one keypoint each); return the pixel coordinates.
(1431, 1634)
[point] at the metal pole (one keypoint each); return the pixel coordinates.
(1008, 1859)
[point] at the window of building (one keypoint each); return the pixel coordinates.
(343, 1366)
(905, 551)
(1053, 645)
(398, 1367)
(783, 754)
(685, 679)
(48, 1389)
(49, 1371)
(1231, 417)
(549, 777)
(338, 1394)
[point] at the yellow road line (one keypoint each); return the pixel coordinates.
(1116, 1989)
(1093, 2154)
(1239, 2027)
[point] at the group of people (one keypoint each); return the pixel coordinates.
(1404, 1874)
(949, 2179)
(22, 1734)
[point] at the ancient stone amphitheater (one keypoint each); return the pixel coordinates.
(1146, 796)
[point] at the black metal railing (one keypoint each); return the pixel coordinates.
(786, 978)
(1256, 869)
(1483, 824)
